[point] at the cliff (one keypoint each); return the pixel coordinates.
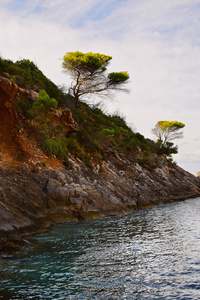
(31, 199)
(17, 135)
(37, 191)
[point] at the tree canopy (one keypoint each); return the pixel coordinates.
(88, 71)
(167, 131)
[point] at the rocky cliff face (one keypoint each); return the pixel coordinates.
(34, 196)
(33, 199)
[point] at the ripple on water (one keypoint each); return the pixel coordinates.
(147, 254)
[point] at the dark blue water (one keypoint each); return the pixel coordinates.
(148, 254)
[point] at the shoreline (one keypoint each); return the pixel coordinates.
(33, 199)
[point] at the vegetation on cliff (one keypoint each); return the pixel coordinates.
(121, 169)
(88, 70)
(27, 75)
(99, 135)
(167, 131)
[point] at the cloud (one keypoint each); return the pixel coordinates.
(157, 42)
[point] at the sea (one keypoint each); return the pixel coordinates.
(152, 253)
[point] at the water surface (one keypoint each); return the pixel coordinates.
(147, 254)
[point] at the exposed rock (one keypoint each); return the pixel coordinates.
(27, 94)
(64, 117)
(30, 201)
(8, 87)
(197, 174)
(12, 90)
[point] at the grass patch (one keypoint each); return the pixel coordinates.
(57, 147)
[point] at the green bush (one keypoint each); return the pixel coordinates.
(19, 80)
(99, 133)
(4, 63)
(118, 76)
(44, 102)
(140, 137)
(145, 161)
(118, 120)
(56, 147)
(170, 160)
(167, 149)
(108, 132)
(23, 106)
(27, 75)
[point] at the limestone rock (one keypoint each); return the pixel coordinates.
(27, 94)
(64, 117)
(197, 174)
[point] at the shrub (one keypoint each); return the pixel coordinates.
(4, 63)
(145, 161)
(168, 149)
(108, 132)
(140, 137)
(44, 102)
(19, 80)
(118, 120)
(23, 106)
(27, 75)
(56, 147)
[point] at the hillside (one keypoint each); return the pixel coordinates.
(62, 164)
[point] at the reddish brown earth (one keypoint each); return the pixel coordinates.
(9, 147)
(18, 143)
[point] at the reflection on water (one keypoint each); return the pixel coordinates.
(148, 254)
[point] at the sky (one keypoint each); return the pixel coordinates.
(157, 42)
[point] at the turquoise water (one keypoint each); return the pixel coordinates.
(148, 254)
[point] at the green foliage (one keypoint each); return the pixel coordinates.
(149, 159)
(53, 141)
(56, 147)
(140, 137)
(145, 161)
(166, 131)
(77, 147)
(23, 106)
(27, 75)
(19, 80)
(44, 102)
(166, 149)
(119, 120)
(165, 125)
(79, 60)
(99, 132)
(40, 111)
(170, 160)
(148, 162)
(4, 64)
(118, 76)
(108, 132)
(26, 64)
(88, 73)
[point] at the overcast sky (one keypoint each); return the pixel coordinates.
(156, 41)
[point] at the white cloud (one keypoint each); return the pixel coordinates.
(157, 42)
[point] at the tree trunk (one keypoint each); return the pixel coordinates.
(76, 100)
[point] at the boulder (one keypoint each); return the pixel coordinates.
(197, 174)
